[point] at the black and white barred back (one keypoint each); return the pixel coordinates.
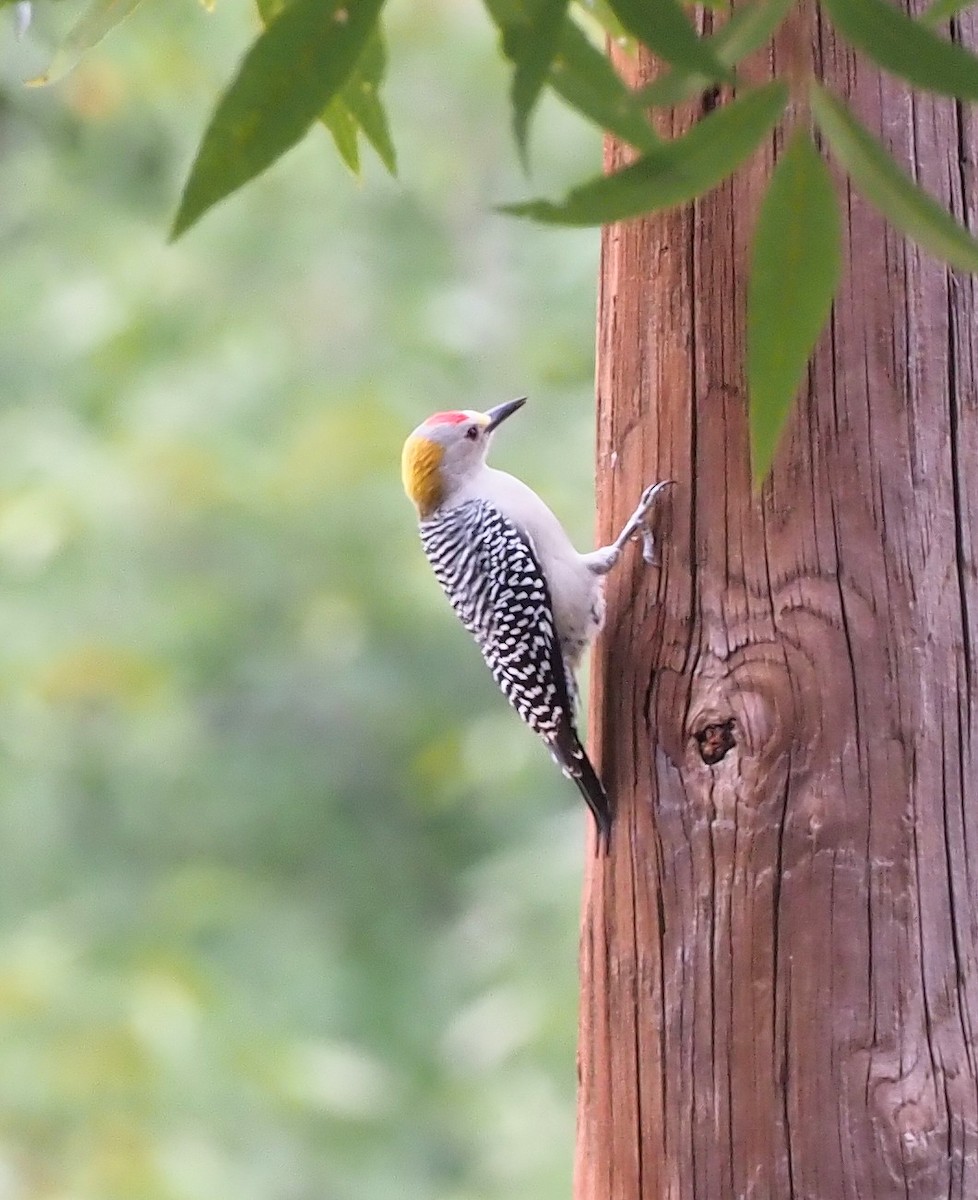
(489, 570)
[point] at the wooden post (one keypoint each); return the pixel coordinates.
(779, 959)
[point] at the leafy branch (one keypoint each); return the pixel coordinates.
(324, 61)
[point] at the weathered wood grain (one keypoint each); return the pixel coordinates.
(780, 957)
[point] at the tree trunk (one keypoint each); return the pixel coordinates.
(780, 956)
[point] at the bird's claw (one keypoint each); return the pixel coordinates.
(651, 492)
(650, 549)
(638, 526)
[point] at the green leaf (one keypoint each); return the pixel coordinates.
(583, 76)
(884, 184)
(344, 130)
(361, 94)
(358, 106)
(600, 12)
(665, 29)
(288, 77)
(747, 30)
(905, 47)
(795, 267)
(92, 26)
(943, 10)
(676, 171)
(336, 117)
(530, 41)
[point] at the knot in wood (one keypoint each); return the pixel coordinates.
(715, 740)
(745, 718)
(758, 702)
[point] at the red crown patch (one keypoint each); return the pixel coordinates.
(447, 418)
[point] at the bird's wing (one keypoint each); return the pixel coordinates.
(494, 581)
(492, 576)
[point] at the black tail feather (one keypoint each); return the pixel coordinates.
(574, 761)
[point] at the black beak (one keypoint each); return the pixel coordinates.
(499, 414)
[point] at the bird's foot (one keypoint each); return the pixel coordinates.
(637, 525)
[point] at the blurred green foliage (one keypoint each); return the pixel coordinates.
(289, 896)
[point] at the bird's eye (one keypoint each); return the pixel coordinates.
(472, 432)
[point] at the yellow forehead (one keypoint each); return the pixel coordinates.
(420, 460)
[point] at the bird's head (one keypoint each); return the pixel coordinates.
(446, 449)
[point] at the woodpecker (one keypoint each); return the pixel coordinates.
(512, 575)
